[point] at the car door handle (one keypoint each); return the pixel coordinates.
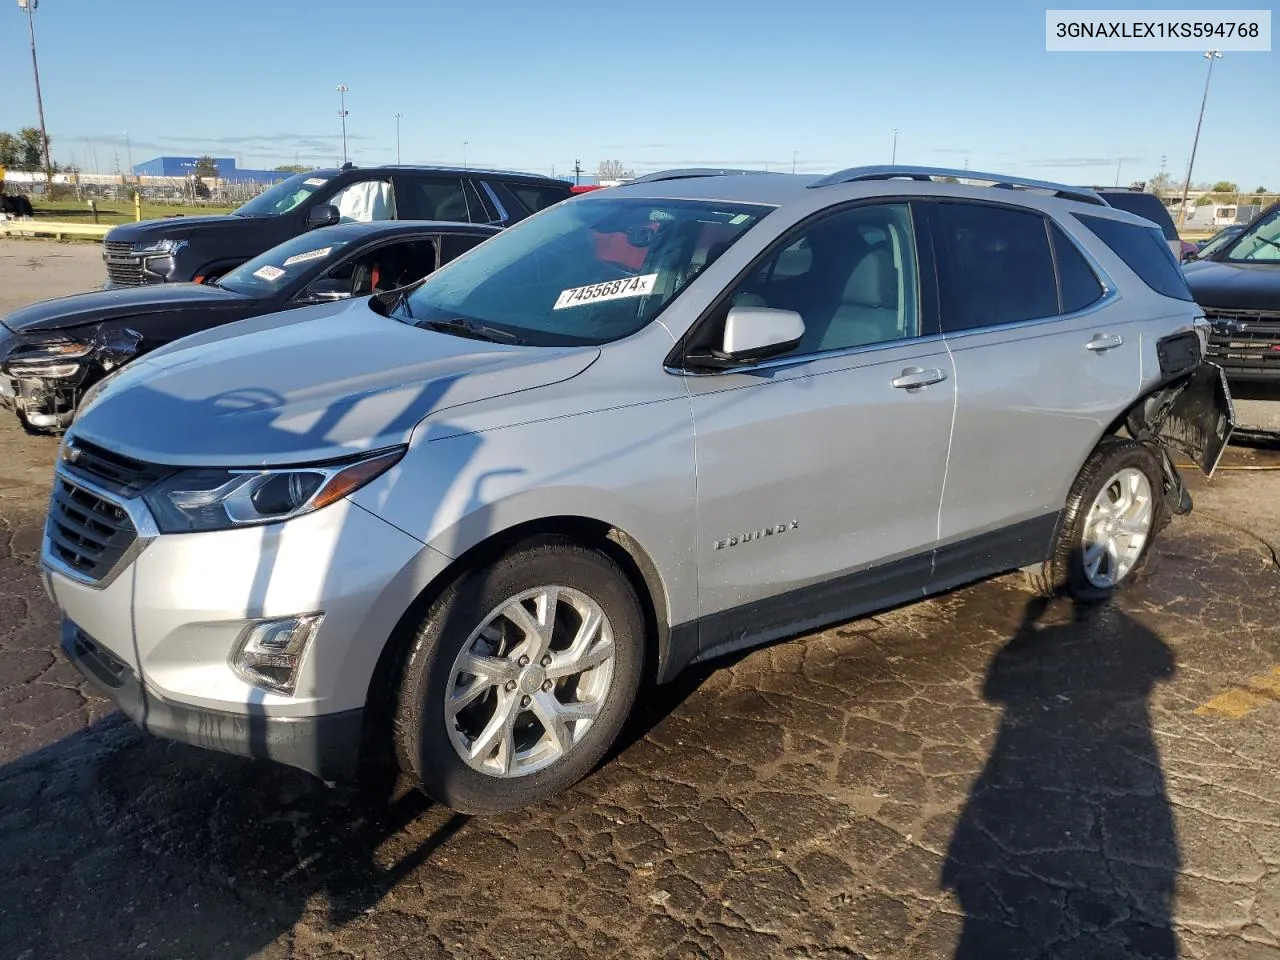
(913, 377)
(1104, 341)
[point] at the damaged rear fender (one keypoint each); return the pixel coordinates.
(1192, 416)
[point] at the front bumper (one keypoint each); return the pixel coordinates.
(157, 622)
(327, 746)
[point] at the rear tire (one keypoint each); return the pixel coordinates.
(539, 707)
(1112, 514)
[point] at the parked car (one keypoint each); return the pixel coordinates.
(52, 352)
(1239, 290)
(457, 526)
(1150, 207)
(1207, 248)
(198, 249)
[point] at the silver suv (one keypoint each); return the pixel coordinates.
(456, 526)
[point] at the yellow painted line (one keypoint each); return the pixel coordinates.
(1242, 700)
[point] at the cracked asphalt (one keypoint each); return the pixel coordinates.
(976, 776)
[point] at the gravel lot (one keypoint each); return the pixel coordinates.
(975, 776)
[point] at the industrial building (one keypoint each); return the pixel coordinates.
(181, 167)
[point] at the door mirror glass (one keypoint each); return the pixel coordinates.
(326, 291)
(322, 215)
(757, 333)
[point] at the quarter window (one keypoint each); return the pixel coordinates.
(995, 267)
(1144, 251)
(851, 276)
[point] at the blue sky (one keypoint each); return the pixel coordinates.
(663, 83)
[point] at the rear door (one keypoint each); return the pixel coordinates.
(1045, 358)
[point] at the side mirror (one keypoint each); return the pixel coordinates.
(322, 215)
(325, 291)
(752, 334)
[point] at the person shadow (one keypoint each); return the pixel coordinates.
(1066, 846)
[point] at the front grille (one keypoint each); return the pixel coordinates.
(123, 267)
(87, 533)
(114, 472)
(1245, 341)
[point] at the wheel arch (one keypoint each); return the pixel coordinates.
(619, 545)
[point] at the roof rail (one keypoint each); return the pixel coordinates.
(887, 172)
(684, 173)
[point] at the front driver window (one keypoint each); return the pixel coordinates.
(851, 276)
(365, 201)
(386, 268)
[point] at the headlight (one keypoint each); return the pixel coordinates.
(47, 359)
(208, 499)
(160, 247)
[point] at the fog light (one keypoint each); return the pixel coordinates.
(268, 654)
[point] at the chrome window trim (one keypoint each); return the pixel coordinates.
(779, 363)
(139, 516)
(503, 215)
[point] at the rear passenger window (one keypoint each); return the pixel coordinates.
(1144, 251)
(439, 198)
(1077, 282)
(535, 198)
(996, 266)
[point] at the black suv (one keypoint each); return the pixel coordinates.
(178, 249)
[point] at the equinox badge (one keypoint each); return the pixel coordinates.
(757, 534)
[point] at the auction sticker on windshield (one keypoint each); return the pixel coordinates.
(269, 274)
(315, 182)
(304, 257)
(608, 290)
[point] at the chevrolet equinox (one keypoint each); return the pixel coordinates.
(454, 526)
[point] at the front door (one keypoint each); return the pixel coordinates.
(820, 473)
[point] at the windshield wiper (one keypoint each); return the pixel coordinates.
(462, 327)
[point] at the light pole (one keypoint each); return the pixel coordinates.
(464, 153)
(128, 151)
(342, 114)
(1119, 161)
(894, 157)
(793, 160)
(30, 6)
(398, 118)
(1210, 55)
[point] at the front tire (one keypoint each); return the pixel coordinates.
(519, 677)
(1114, 509)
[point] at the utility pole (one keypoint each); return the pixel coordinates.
(342, 114)
(1210, 55)
(30, 6)
(1118, 162)
(128, 147)
(577, 172)
(894, 158)
(398, 118)
(464, 153)
(793, 160)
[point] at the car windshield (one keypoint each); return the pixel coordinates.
(1260, 243)
(585, 271)
(1215, 244)
(283, 197)
(280, 266)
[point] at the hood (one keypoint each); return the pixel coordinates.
(177, 228)
(1234, 286)
(306, 392)
(81, 309)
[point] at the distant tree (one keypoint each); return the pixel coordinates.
(1206, 200)
(291, 168)
(1259, 189)
(30, 151)
(948, 180)
(1225, 186)
(613, 170)
(10, 151)
(1161, 183)
(206, 168)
